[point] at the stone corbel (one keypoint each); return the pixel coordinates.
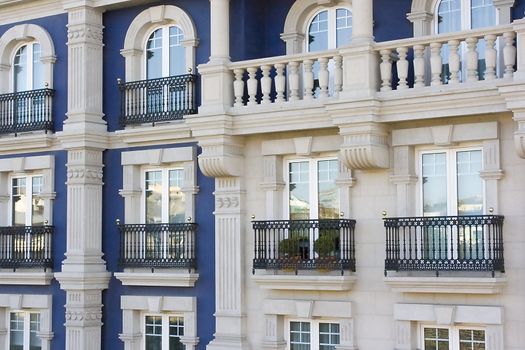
(221, 156)
(365, 146)
(514, 95)
(519, 134)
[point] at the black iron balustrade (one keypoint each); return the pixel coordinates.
(445, 243)
(158, 245)
(156, 100)
(304, 245)
(26, 246)
(26, 111)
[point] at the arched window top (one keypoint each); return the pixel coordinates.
(303, 19)
(457, 15)
(159, 42)
(27, 54)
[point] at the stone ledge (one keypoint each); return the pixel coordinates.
(34, 141)
(161, 133)
(302, 282)
(33, 278)
(447, 285)
(157, 279)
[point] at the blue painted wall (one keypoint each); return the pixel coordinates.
(204, 289)
(56, 27)
(59, 248)
(116, 24)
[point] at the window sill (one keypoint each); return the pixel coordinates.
(446, 285)
(34, 278)
(305, 282)
(27, 141)
(157, 279)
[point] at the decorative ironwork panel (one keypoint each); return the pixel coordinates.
(26, 111)
(26, 246)
(156, 100)
(158, 245)
(445, 243)
(304, 245)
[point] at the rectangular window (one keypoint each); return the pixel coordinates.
(313, 335)
(453, 338)
(164, 200)
(23, 331)
(27, 204)
(163, 332)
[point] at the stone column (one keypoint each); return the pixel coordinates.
(84, 136)
(222, 158)
(220, 29)
(363, 21)
(405, 179)
(504, 13)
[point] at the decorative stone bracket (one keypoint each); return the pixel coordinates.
(365, 146)
(514, 94)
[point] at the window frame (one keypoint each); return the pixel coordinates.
(30, 75)
(165, 327)
(332, 26)
(29, 194)
(314, 330)
(452, 185)
(465, 16)
(454, 343)
(165, 49)
(27, 327)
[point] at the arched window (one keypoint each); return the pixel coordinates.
(329, 28)
(165, 54)
(28, 70)
(457, 15)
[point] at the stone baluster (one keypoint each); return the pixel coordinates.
(402, 68)
(419, 66)
(386, 70)
(266, 84)
(509, 54)
(308, 79)
(453, 61)
(280, 82)
(238, 86)
(252, 86)
(293, 81)
(490, 57)
(472, 59)
(323, 76)
(338, 74)
(435, 63)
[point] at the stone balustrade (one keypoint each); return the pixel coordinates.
(463, 57)
(287, 78)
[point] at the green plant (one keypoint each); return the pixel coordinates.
(327, 244)
(293, 247)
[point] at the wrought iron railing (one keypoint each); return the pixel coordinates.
(445, 243)
(26, 111)
(156, 100)
(158, 245)
(304, 245)
(26, 246)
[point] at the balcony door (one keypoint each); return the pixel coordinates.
(451, 186)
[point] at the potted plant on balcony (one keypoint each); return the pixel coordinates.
(294, 247)
(327, 245)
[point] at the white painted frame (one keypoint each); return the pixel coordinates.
(27, 325)
(165, 49)
(29, 195)
(12, 40)
(314, 330)
(141, 28)
(41, 304)
(332, 25)
(165, 328)
(453, 332)
(466, 15)
(134, 309)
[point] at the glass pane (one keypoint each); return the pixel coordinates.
(299, 200)
(483, 14)
(37, 202)
(176, 325)
(434, 184)
(343, 27)
(19, 199)
(470, 184)
(318, 32)
(328, 336)
(16, 336)
(436, 338)
(449, 16)
(177, 52)
(38, 68)
(328, 192)
(153, 197)
(154, 55)
(20, 69)
(177, 199)
(153, 332)
(35, 343)
(299, 335)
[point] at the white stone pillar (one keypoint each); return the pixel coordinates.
(362, 21)
(504, 8)
(220, 29)
(84, 274)
(222, 158)
(405, 179)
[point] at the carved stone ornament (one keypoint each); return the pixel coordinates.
(365, 146)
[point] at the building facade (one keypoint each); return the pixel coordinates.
(279, 174)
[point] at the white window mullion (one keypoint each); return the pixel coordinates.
(29, 200)
(452, 177)
(165, 332)
(332, 35)
(165, 51)
(29, 65)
